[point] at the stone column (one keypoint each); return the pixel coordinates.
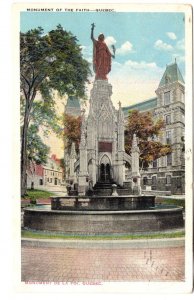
(83, 171)
(120, 146)
(136, 184)
(72, 160)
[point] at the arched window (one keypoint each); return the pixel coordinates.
(145, 180)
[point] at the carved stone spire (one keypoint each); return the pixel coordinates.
(134, 142)
(73, 152)
(83, 130)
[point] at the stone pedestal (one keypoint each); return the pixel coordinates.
(102, 152)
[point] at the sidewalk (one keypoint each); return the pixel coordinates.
(99, 261)
(58, 190)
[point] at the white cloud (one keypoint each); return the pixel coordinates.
(110, 40)
(160, 45)
(86, 50)
(125, 48)
(171, 35)
(83, 48)
(142, 65)
(180, 45)
(134, 81)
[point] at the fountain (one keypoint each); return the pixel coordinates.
(100, 201)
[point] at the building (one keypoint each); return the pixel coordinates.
(45, 175)
(167, 173)
(72, 106)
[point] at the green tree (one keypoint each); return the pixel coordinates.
(48, 63)
(148, 132)
(37, 151)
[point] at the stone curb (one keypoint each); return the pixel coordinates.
(103, 244)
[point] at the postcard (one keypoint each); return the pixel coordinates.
(103, 118)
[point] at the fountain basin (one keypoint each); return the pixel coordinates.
(103, 203)
(103, 222)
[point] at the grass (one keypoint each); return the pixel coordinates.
(179, 202)
(38, 235)
(38, 194)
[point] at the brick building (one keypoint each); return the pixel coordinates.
(45, 175)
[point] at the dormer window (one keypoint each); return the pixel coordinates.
(167, 98)
(167, 79)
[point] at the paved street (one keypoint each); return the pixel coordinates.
(101, 262)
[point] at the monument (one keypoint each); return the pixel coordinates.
(102, 154)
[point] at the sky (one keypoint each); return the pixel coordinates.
(145, 43)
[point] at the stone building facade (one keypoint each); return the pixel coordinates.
(167, 173)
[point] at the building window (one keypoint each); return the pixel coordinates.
(178, 182)
(48, 179)
(145, 180)
(155, 163)
(166, 98)
(154, 182)
(168, 137)
(168, 179)
(168, 119)
(169, 159)
(167, 79)
(40, 182)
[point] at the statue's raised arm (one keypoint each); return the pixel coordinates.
(92, 32)
(101, 56)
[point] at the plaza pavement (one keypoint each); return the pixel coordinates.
(81, 261)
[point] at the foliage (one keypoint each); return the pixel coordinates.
(72, 131)
(52, 62)
(147, 133)
(48, 63)
(62, 163)
(36, 150)
(44, 116)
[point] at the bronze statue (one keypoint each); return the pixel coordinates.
(101, 56)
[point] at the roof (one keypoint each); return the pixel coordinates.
(171, 74)
(73, 102)
(141, 106)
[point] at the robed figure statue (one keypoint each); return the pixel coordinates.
(101, 56)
